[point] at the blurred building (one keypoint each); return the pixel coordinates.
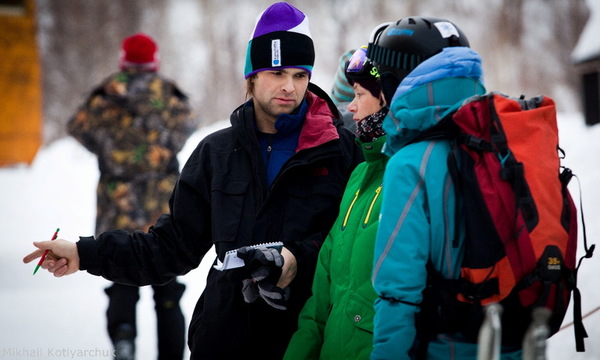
(20, 83)
(586, 57)
(589, 72)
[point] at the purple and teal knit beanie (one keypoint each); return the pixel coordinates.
(281, 39)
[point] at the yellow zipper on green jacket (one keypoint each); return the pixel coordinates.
(350, 209)
(377, 192)
(369, 212)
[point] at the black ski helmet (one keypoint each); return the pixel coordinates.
(398, 48)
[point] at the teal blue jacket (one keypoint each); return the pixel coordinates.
(337, 321)
(418, 205)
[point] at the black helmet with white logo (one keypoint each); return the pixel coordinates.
(398, 48)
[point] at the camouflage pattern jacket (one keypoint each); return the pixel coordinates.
(135, 123)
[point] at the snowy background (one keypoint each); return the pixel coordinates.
(43, 318)
(43, 314)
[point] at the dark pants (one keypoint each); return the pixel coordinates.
(121, 316)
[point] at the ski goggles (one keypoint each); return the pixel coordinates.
(357, 60)
(360, 68)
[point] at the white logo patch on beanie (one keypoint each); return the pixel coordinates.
(275, 52)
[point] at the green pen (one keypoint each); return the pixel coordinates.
(45, 252)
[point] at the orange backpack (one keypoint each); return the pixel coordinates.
(520, 221)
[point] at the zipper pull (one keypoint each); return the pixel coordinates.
(368, 217)
(350, 209)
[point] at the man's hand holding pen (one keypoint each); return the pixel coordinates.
(62, 258)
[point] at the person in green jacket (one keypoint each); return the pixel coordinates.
(337, 320)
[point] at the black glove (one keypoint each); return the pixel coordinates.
(273, 294)
(264, 266)
(262, 263)
(250, 290)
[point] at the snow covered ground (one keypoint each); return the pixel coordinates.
(45, 318)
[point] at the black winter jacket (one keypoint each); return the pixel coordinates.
(222, 199)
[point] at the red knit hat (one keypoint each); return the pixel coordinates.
(139, 51)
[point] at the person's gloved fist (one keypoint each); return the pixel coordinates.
(262, 263)
(271, 294)
(264, 267)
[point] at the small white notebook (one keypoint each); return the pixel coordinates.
(232, 261)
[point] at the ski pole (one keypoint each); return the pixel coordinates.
(534, 342)
(490, 333)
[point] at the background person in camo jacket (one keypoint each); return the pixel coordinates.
(136, 122)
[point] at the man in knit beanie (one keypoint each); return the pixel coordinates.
(265, 190)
